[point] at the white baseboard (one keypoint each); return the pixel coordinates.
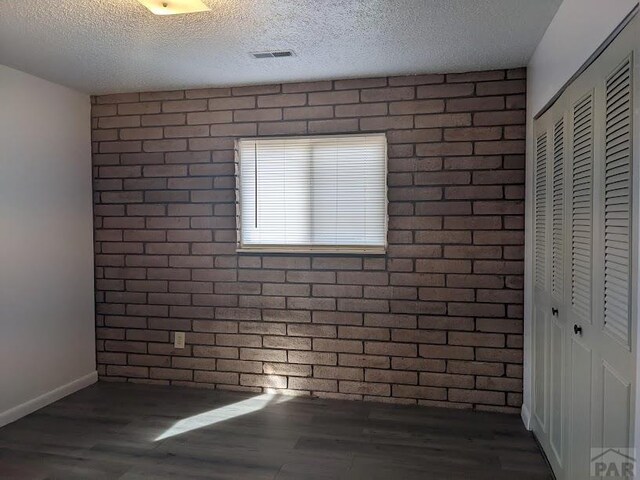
(526, 417)
(37, 403)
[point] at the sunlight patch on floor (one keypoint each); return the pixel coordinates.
(222, 414)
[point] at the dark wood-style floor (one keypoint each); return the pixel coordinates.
(126, 431)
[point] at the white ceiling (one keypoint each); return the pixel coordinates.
(106, 46)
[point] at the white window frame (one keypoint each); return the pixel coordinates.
(309, 249)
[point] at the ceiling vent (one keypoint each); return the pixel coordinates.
(276, 54)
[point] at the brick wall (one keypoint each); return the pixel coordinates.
(437, 321)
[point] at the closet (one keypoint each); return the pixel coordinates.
(584, 251)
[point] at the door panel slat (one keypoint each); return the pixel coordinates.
(617, 202)
(541, 211)
(557, 213)
(581, 207)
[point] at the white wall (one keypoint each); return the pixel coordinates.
(47, 340)
(577, 30)
(575, 33)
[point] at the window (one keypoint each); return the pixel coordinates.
(317, 194)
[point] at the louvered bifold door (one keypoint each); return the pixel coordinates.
(584, 268)
(541, 300)
(541, 212)
(579, 300)
(617, 203)
(582, 207)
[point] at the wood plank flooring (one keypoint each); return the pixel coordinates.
(134, 432)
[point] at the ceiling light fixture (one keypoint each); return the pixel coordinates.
(174, 7)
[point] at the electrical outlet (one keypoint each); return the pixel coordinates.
(178, 339)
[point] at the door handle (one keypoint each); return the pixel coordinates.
(554, 312)
(577, 330)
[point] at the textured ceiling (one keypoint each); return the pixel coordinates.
(106, 46)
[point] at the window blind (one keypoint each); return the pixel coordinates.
(313, 193)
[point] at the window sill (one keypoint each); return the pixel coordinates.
(315, 250)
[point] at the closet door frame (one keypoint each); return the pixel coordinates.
(635, 245)
(546, 122)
